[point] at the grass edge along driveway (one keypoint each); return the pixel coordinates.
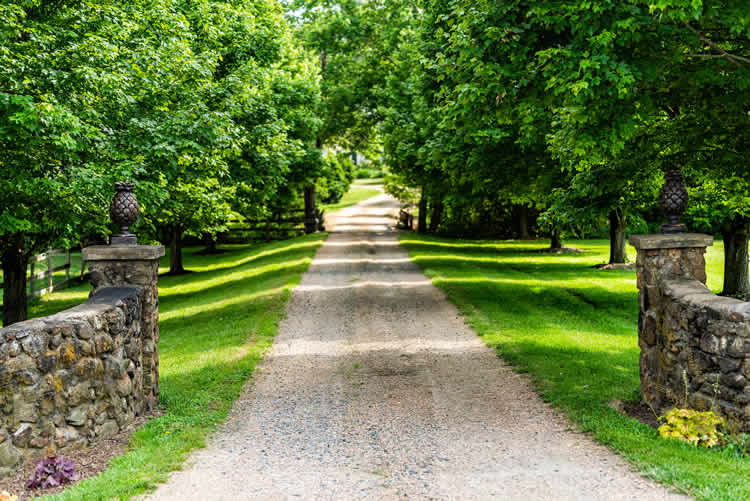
(215, 325)
(573, 329)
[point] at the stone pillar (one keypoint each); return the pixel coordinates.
(662, 258)
(134, 266)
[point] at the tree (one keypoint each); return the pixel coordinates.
(67, 95)
(686, 100)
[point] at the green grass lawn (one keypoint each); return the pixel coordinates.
(366, 182)
(215, 324)
(573, 328)
(354, 196)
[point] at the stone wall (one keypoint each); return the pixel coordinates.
(695, 345)
(87, 372)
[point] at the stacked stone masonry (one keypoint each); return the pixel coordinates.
(695, 345)
(85, 373)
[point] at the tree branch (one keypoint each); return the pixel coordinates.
(735, 60)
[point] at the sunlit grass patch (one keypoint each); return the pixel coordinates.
(354, 196)
(215, 325)
(573, 328)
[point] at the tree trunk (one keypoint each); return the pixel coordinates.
(523, 222)
(175, 251)
(735, 261)
(311, 224)
(14, 284)
(617, 253)
(422, 221)
(211, 247)
(211, 243)
(436, 216)
(555, 239)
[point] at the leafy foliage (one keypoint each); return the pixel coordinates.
(738, 445)
(702, 429)
(52, 472)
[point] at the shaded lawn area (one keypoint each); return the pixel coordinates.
(355, 195)
(58, 276)
(573, 328)
(215, 324)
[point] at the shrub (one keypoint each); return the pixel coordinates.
(363, 174)
(702, 429)
(338, 175)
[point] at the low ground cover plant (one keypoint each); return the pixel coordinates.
(702, 429)
(52, 472)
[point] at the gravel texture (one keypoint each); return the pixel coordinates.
(376, 389)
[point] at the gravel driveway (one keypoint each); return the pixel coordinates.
(375, 389)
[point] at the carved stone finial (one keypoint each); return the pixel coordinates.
(674, 201)
(124, 211)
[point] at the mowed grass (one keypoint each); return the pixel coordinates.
(355, 195)
(370, 181)
(573, 328)
(215, 325)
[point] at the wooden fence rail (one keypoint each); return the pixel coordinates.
(49, 272)
(276, 227)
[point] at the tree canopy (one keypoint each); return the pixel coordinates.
(506, 118)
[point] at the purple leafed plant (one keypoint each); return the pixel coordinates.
(52, 472)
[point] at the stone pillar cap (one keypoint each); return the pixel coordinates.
(122, 252)
(671, 241)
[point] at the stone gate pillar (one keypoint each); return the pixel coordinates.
(126, 264)
(662, 258)
(134, 266)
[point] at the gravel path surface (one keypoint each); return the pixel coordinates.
(376, 389)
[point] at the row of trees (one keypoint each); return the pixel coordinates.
(571, 111)
(562, 114)
(212, 108)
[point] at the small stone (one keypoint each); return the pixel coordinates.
(10, 457)
(65, 435)
(79, 393)
(14, 348)
(66, 353)
(47, 362)
(89, 367)
(86, 348)
(124, 385)
(112, 367)
(103, 343)
(738, 348)
(85, 331)
(78, 415)
(22, 435)
(108, 428)
(20, 363)
(710, 344)
(34, 345)
(729, 364)
(47, 407)
(23, 412)
(735, 380)
(55, 341)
